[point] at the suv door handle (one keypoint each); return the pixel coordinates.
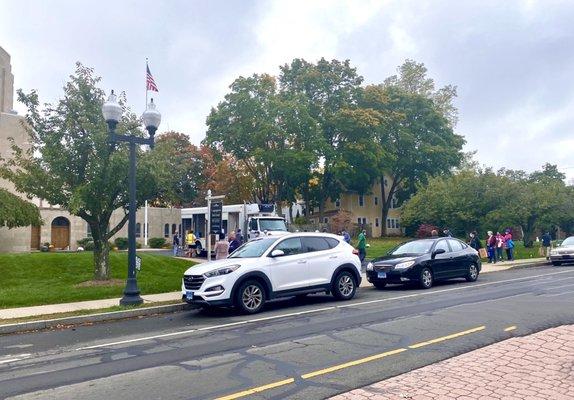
(302, 262)
(333, 256)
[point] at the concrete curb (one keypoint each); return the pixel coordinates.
(146, 311)
(91, 318)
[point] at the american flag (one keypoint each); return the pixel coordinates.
(150, 83)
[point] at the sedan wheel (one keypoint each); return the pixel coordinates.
(250, 297)
(344, 287)
(426, 279)
(472, 274)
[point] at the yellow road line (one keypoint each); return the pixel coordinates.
(351, 363)
(257, 389)
(443, 338)
(338, 367)
(510, 328)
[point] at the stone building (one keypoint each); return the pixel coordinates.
(60, 228)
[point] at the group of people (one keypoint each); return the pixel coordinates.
(221, 249)
(224, 247)
(496, 245)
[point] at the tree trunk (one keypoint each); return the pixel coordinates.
(101, 264)
(384, 209)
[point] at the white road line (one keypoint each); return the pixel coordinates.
(451, 289)
(138, 339)
(559, 294)
(207, 328)
(558, 287)
(17, 357)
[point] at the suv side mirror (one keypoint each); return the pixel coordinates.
(436, 252)
(277, 253)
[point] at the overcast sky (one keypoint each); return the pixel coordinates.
(512, 61)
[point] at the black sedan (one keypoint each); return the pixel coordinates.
(425, 261)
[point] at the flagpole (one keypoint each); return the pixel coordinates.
(146, 68)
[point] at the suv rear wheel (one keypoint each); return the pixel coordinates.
(250, 297)
(344, 286)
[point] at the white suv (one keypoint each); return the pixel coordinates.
(263, 269)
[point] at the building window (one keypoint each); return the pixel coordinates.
(393, 223)
(179, 229)
(338, 203)
(398, 226)
(359, 221)
(376, 201)
(376, 221)
(173, 229)
(88, 231)
(326, 220)
(166, 230)
(138, 229)
(388, 223)
(364, 221)
(361, 200)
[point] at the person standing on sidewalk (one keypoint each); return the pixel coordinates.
(346, 236)
(221, 248)
(362, 245)
(175, 244)
(474, 241)
(499, 245)
(190, 242)
(546, 243)
(509, 245)
(491, 247)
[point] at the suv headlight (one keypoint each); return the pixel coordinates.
(221, 271)
(405, 265)
(370, 266)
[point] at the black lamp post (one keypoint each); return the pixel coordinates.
(151, 118)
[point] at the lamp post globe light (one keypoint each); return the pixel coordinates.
(112, 112)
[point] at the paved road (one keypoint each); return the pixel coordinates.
(307, 350)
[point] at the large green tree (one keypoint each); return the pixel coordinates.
(264, 131)
(178, 166)
(72, 163)
(418, 140)
(330, 91)
(482, 200)
(15, 212)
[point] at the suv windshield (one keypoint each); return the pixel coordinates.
(272, 225)
(252, 249)
(414, 247)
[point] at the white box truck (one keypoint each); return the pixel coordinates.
(254, 220)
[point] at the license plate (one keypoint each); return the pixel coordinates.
(189, 295)
(381, 275)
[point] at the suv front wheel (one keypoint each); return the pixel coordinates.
(344, 286)
(250, 297)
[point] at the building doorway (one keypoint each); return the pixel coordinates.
(60, 233)
(35, 238)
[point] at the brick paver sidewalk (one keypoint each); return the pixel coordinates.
(538, 366)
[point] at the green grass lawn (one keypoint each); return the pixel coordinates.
(50, 278)
(380, 246)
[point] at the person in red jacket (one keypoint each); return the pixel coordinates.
(491, 247)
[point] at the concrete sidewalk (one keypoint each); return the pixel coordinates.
(23, 312)
(538, 366)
